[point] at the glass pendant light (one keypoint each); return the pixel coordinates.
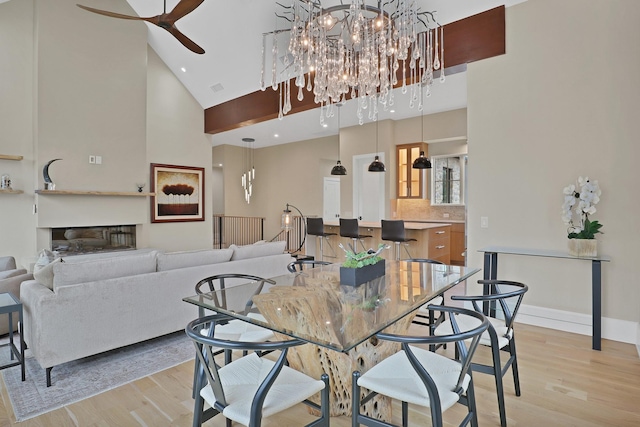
(422, 162)
(338, 169)
(376, 165)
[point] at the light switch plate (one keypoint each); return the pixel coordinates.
(484, 222)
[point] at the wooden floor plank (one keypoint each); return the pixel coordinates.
(564, 383)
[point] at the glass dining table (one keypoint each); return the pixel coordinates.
(340, 321)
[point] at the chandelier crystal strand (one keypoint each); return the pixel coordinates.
(442, 77)
(264, 60)
(274, 64)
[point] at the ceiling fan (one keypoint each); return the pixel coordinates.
(165, 20)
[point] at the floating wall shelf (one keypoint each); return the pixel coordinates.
(3, 191)
(92, 193)
(8, 157)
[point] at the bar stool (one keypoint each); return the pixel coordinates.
(315, 227)
(349, 228)
(393, 230)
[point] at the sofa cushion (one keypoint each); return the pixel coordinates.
(174, 260)
(257, 250)
(103, 268)
(44, 275)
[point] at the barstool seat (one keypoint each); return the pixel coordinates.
(393, 230)
(315, 227)
(349, 228)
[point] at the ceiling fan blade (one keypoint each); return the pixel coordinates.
(183, 8)
(186, 41)
(107, 13)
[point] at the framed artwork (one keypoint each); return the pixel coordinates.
(179, 193)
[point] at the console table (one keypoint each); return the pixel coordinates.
(491, 272)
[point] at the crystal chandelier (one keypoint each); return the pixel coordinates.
(353, 51)
(249, 176)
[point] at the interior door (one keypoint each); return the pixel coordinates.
(368, 189)
(331, 199)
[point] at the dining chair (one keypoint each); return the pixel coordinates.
(424, 316)
(302, 264)
(250, 388)
(233, 329)
(505, 298)
(349, 228)
(393, 230)
(315, 227)
(422, 377)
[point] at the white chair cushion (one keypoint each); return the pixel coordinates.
(241, 379)
(467, 322)
(423, 310)
(396, 378)
(239, 330)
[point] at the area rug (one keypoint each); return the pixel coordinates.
(80, 379)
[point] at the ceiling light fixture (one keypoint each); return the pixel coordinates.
(357, 49)
(249, 176)
(338, 169)
(376, 165)
(422, 162)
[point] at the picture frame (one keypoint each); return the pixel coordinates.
(178, 193)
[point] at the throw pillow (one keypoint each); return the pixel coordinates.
(44, 258)
(259, 250)
(44, 275)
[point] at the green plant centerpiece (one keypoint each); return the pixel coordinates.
(362, 267)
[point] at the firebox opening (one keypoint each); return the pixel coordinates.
(81, 240)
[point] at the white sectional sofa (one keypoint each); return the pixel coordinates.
(88, 305)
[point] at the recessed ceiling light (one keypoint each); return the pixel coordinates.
(324, 125)
(392, 111)
(184, 70)
(217, 87)
(220, 164)
(275, 135)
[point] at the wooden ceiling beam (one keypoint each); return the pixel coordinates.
(470, 39)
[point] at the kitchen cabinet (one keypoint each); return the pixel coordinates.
(458, 244)
(410, 182)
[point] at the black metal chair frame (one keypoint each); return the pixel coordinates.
(393, 230)
(206, 349)
(349, 228)
(431, 321)
(496, 369)
(299, 265)
(464, 353)
(315, 227)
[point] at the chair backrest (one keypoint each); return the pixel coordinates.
(315, 226)
(349, 227)
(392, 230)
(424, 260)
(220, 282)
(207, 346)
(507, 293)
(302, 264)
(466, 336)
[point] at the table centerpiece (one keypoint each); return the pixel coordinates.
(362, 267)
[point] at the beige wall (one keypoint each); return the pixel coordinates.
(563, 102)
(75, 84)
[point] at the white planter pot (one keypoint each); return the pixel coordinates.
(583, 247)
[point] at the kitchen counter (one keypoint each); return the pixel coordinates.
(408, 225)
(447, 221)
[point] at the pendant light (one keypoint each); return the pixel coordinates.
(422, 162)
(376, 165)
(338, 169)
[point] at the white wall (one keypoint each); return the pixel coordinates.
(74, 84)
(562, 102)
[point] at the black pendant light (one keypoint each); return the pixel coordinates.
(338, 169)
(422, 162)
(376, 165)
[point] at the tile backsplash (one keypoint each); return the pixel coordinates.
(421, 209)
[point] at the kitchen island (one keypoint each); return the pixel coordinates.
(433, 241)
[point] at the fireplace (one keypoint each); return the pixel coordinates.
(81, 240)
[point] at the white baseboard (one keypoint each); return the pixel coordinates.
(579, 323)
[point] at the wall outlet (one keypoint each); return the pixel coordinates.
(484, 222)
(445, 215)
(92, 159)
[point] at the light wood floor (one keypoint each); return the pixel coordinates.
(564, 383)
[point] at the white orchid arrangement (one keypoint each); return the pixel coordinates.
(581, 201)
